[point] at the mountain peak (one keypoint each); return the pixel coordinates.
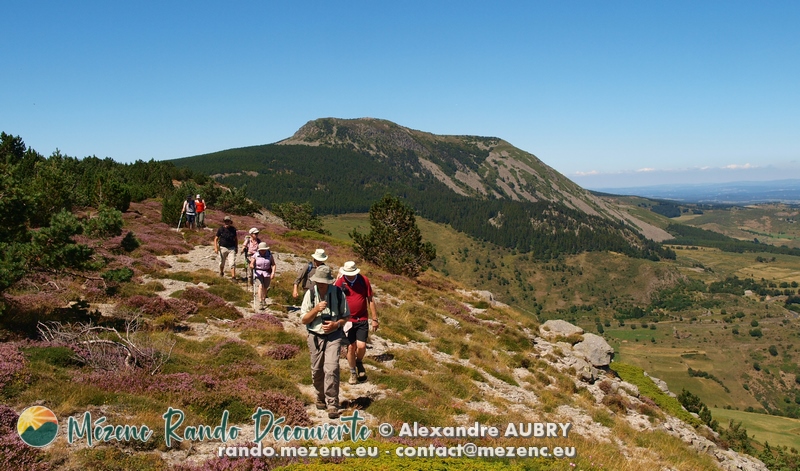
(474, 166)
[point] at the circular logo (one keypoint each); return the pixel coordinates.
(37, 426)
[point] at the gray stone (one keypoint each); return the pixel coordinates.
(595, 350)
(661, 385)
(558, 328)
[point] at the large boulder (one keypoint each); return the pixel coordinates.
(558, 328)
(595, 350)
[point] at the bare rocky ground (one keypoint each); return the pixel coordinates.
(499, 396)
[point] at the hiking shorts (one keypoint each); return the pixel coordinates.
(226, 253)
(359, 331)
(262, 278)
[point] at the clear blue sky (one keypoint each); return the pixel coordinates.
(608, 93)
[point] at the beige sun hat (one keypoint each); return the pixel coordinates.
(323, 275)
(350, 269)
(320, 255)
(253, 230)
(263, 246)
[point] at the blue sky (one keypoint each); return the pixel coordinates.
(611, 94)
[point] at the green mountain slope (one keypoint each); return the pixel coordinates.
(481, 186)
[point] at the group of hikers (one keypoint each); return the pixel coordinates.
(333, 309)
(195, 211)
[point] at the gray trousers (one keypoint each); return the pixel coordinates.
(325, 366)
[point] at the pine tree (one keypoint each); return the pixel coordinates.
(299, 217)
(394, 241)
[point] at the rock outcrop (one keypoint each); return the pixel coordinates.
(595, 350)
(557, 328)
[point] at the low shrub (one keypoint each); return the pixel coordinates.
(14, 453)
(12, 364)
(283, 352)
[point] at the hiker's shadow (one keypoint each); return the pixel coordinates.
(359, 403)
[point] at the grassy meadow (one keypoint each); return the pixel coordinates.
(709, 333)
(777, 431)
(775, 224)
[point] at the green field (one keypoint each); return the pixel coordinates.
(777, 431)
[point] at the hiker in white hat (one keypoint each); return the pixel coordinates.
(304, 275)
(263, 269)
(249, 249)
(363, 315)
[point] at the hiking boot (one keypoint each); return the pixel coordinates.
(362, 373)
(353, 377)
(333, 413)
(320, 405)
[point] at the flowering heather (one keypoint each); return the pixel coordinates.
(150, 305)
(258, 321)
(283, 352)
(144, 220)
(206, 392)
(149, 263)
(12, 364)
(458, 310)
(8, 419)
(280, 404)
(160, 244)
(182, 308)
(202, 297)
(389, 278)
(155, 306)
(14, 454)
(94, 291)
(42, 302)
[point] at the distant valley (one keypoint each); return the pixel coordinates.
(781, 191)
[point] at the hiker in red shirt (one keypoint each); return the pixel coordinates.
(200, 208)
(363, 312)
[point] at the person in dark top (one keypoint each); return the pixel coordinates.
(190, 210)
(226, 243)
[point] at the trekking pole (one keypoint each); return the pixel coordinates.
(180, 221)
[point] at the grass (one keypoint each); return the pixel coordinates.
(425, 387)
(766, 222)
(647, 387)
(777, 431)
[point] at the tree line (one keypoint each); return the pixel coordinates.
(38, 196)
(688, 235)
(339, 180)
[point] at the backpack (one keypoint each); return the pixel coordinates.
(268, 258)
(340, 299)
(305, 276)
(190, 207)
(251, 245)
